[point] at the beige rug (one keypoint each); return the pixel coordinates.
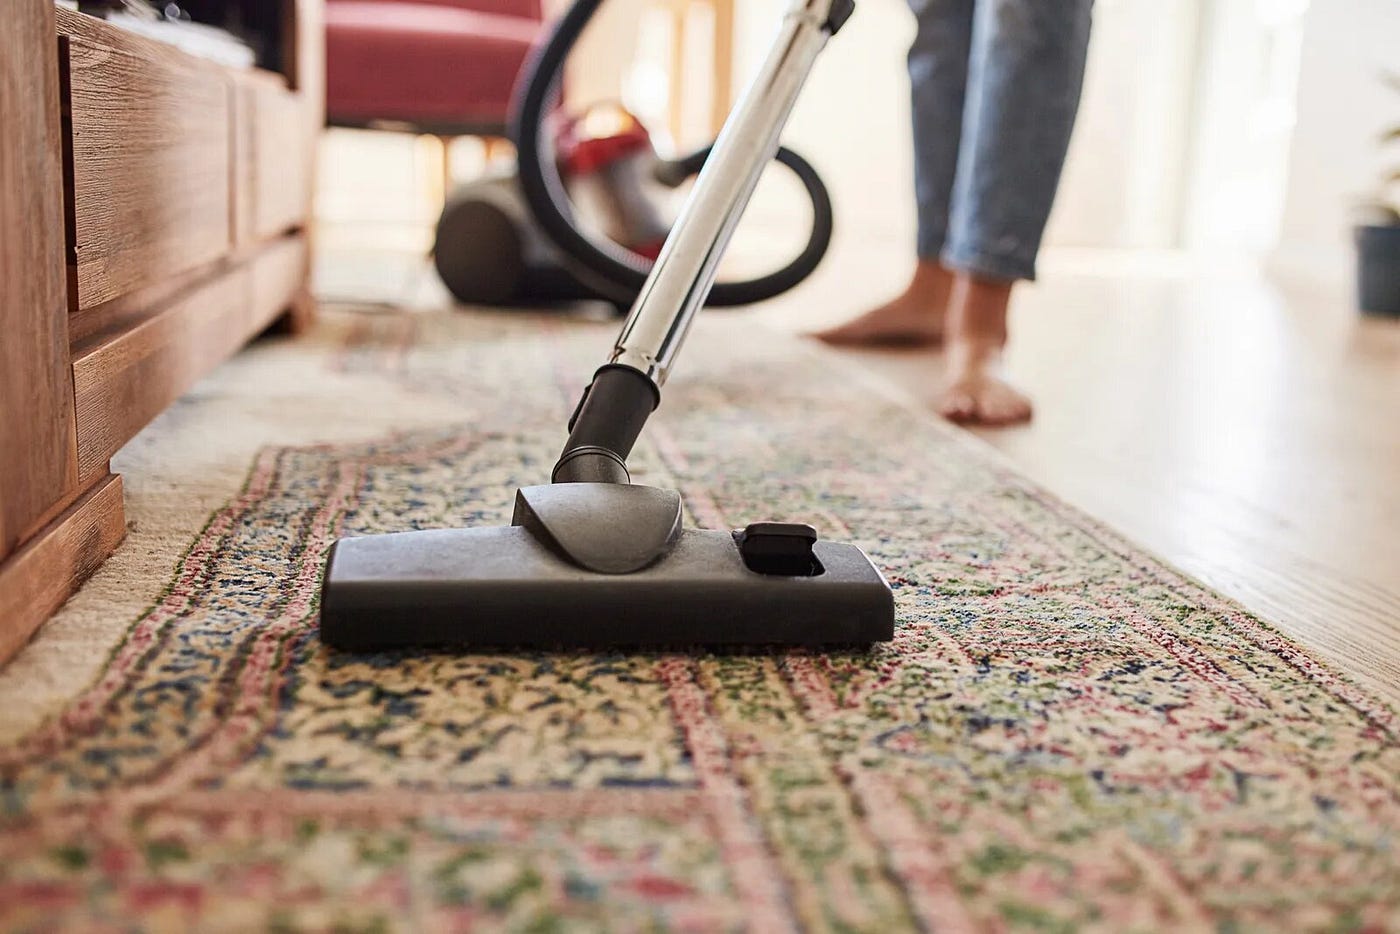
(1064, 735)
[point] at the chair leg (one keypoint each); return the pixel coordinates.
(723, 63)
(676, 104)
(446, 142)
(494, 146)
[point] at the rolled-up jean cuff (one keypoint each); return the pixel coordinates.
(988, 265)
(930, 246)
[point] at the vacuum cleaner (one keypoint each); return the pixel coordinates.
(489, 251)
(491, 248)
(590, 559)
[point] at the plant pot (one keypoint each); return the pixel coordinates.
(1378, 269)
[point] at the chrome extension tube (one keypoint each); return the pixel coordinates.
(684, 272)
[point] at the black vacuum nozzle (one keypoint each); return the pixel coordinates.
(531, 584)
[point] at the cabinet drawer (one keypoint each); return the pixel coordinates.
(120, 385)
(150, 161)
(272, 175)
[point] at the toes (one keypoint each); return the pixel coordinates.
(1004, 408)
(984, 403)
(851, 332)
(861, 334)
(1013, 407)
(836, 335)
(895, 325)
(1005, 414)
(958, 405)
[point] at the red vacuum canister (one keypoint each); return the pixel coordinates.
(606, 157)
(488, 249)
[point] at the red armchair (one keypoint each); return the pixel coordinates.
(437, 66)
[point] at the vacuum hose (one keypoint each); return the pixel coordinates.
(607, 267)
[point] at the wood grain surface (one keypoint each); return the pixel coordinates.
(38, 463)
(281, 160)
(122, 383)
(151, 159)
(279, 278)
(40, 577)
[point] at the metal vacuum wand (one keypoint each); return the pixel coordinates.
(685, 269)
(614, 408)
(590, 560)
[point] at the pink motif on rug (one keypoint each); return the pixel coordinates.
(1065, 734)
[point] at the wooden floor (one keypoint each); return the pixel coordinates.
(1248, 435)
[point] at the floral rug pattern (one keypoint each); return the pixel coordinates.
(1065, 734)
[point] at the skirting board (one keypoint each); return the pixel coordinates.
(37, 579)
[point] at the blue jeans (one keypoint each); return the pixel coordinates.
(995, 87)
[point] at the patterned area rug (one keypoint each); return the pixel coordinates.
(1065, 734)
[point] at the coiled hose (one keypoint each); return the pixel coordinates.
(607, 267)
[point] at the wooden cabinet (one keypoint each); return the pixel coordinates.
(38, 461)
(154, 210)
(121, 384)
(274, 173)
(151, 159)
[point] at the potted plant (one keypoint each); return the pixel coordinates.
(1378, 238)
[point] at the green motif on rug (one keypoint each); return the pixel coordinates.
(1064, 734)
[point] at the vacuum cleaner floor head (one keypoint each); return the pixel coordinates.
(591, 560)
(593, 565)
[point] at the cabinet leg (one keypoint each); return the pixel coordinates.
(298, 317)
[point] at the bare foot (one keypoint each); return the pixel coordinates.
(982, 397)
(913, 319)
(975, 391)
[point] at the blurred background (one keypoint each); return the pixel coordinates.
(1225, 132)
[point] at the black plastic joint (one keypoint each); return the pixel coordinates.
(841, 11)
(609, 417)
(590, 465)
(627, 371)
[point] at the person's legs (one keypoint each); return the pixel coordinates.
(1024, 79)
(938, 65)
